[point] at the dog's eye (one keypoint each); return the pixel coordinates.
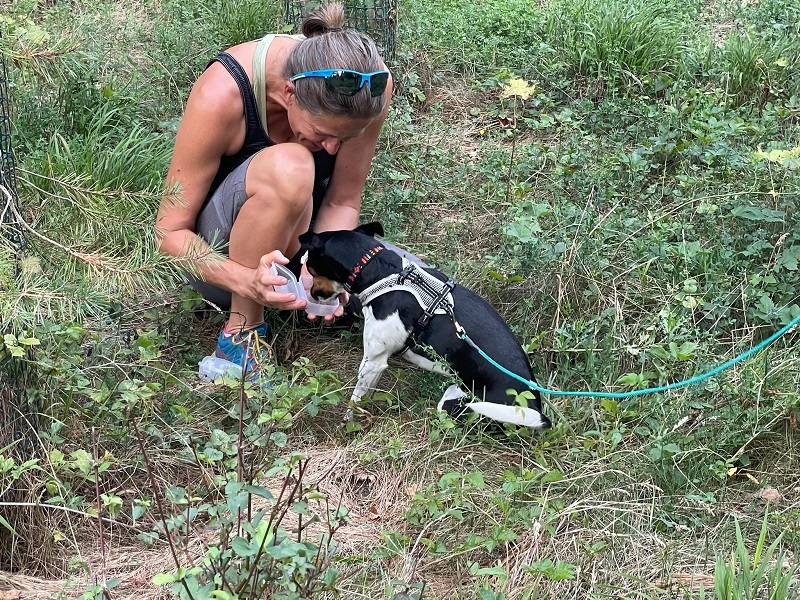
(304, 258)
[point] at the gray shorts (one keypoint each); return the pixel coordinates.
(214, 225)
(215, 222)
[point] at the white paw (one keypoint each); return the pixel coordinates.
(454, 392)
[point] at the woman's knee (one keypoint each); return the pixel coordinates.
(283, 172)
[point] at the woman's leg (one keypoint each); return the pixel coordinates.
(263, 205)
(279, 184)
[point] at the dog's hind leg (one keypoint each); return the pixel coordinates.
(517, 415)
(452, 402)
(424, 362)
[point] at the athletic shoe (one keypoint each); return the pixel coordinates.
(248, 349)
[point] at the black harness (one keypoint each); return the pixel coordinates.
(442, 300)
(433, 295)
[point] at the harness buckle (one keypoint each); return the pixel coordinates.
(405, 273)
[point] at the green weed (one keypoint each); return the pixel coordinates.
(234, 22)
(760, 69)
(749, 577)
(619, 43)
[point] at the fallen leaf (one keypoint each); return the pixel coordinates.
(770, 495)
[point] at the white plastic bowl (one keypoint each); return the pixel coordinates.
(291, 287)
(302, 290)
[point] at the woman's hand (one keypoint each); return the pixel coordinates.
(262, 286)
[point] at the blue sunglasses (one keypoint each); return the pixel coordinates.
(347, 82)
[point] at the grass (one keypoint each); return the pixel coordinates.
(641, 231)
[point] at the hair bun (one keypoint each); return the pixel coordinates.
(326, 19)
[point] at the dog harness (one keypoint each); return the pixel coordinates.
(434, 296)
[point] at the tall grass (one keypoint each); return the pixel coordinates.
(759, 69)
(618, 42)
(767, 573)
(474, 36)
(237, 21)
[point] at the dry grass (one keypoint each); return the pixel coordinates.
(599, 504)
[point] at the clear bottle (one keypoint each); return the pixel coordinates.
(212, 368)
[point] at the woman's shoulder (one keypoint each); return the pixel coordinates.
(215, 98)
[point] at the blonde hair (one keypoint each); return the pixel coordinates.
(328, 45)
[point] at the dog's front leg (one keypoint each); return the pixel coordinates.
(382, 338)
(370, 371)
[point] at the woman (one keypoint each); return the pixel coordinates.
(277, 136)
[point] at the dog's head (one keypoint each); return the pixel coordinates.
(330, 256)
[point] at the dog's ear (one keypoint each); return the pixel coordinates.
(315, 243)
(373, 229)
(298, 260)
(306, 238)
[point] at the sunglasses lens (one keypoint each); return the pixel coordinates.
(377, 83)
(349, 82)
(344, 82)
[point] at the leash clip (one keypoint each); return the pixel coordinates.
(459, 329)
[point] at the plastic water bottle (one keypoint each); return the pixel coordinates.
(212, 368)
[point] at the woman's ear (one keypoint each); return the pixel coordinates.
(288, 93)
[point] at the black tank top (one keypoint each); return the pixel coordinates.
(256, 139)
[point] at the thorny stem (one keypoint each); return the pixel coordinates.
(99, 511)
(240, 455)
(276, 516)
(207, 481)
(160, 504)
(253, 574)
(66, 509)
(513, 151)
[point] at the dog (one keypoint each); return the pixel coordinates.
(413, 311)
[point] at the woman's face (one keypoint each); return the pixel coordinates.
(323, 132)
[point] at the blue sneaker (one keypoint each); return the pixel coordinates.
(248, 349)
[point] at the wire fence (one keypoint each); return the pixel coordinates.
(374, 18)
(18, 416)
(9, 227)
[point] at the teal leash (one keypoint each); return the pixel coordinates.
(664, 388)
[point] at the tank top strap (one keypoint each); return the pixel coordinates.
(260, 78)
(260, 73)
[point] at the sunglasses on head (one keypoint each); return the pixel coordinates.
(347, 82)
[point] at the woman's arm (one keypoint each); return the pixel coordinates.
(342, 204)
(205, 134)
(212, 126)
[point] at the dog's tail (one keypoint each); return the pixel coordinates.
(514, 414)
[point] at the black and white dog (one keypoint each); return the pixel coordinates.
(413, 311)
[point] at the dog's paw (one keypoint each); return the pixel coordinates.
(453, 401)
